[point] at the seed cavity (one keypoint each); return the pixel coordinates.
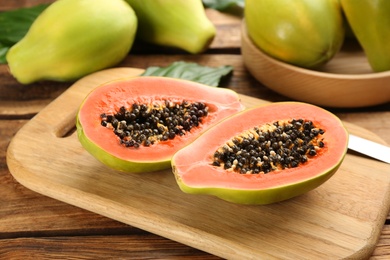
(273, 146)
(146, 124)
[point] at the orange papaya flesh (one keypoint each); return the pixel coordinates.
(196, 172)
(108, 99)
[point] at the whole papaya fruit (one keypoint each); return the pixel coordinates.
(73, 38)
(370, 23)
(181, 24)
(304, 33)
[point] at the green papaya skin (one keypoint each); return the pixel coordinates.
(180, 24)
(370, 23)
(304, 33)
(73, 38)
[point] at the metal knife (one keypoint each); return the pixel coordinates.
(372, 149)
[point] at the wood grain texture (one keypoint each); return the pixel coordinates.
(342, 218)
(141, 246)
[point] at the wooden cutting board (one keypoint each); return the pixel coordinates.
(342, 218)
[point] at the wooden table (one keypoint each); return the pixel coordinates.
(35, 225)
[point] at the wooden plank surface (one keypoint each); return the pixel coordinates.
(331, 221)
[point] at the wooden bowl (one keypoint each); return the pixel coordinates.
(345, 81)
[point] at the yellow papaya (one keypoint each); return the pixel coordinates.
(305, 33)
(72, 38)
(180, 24)
(370, 23)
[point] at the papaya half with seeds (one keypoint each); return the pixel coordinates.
(263, 155)
(137, 124)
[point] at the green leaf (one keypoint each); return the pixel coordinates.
(3, 52)
(191, 71)
(223, 4)
(14, 25)
(235, 7)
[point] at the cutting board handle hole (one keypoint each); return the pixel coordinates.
(68, 133)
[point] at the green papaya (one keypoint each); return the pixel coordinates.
(370, 23)
(180, 24)
(304, 33)
(73, 38)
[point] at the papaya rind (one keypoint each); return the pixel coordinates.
(263, 196)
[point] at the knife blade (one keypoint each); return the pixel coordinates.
(372, 149)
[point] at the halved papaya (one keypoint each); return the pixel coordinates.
(263, 155)
(137, 124)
